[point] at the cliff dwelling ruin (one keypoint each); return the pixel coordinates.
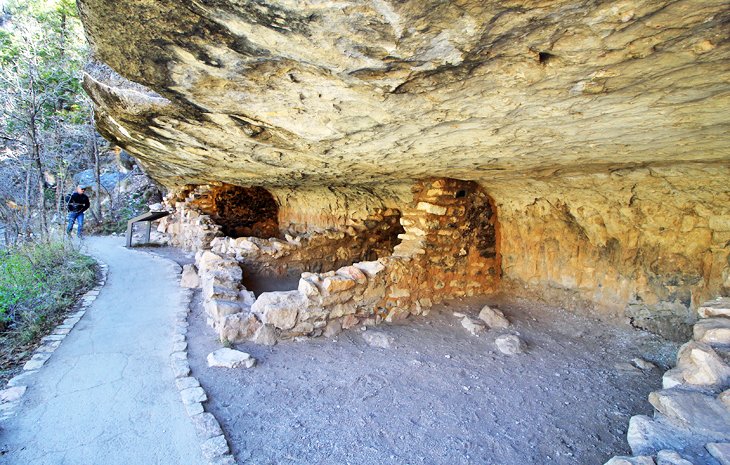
(384, 157)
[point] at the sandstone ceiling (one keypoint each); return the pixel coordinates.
(291, 92)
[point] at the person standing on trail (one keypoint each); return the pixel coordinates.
(77, 204)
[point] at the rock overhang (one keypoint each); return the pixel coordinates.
(599, 130)
(292, 93)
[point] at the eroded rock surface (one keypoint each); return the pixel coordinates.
(599, 131)
(277, 92)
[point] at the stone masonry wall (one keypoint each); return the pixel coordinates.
(691, 420)
(187, 226)
(319, 251)
(449, 249)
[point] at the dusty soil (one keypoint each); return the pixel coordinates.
(440, 395)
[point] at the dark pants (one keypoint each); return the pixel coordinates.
(79, 218)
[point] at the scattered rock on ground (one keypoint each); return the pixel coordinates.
(494, 318)
(642, 364)
(230, 358)
(378, 339)
(473, 326)
(190, 277)
(510, 344)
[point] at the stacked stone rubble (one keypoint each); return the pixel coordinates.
(449, 249)
(226, 302)
(692, 411)
(187, 226)
(317, 251)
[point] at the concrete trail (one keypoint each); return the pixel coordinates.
(107, 395)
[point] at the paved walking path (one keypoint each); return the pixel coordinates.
(107, 396)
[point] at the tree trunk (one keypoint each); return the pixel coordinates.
(25, 227)
(36, 154)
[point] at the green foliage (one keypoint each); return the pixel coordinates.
(37, 282)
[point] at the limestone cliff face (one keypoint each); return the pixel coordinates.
(599, 129)
(652, 243)
(286, 92)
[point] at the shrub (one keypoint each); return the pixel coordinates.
(38, 283)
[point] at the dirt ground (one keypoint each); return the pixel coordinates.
(439, 396)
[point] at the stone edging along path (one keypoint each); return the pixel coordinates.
(213, 443)
(10, 397)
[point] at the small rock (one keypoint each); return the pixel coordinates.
(238, 327)
(194, 409)
(12, 394)
(186, 383)
(230, 358)
(641, 460)
(36, 362)
(672, 378)
(206, 426)
(189, 277)
(21, 378)
(713, 331)
(180, 347)
(724, 397)
(334, 284)
(670, 457)
(642, 364)
(218, 308)
(378, 339)
(494, 318)
(353, 272)
(192, 395)
(717, 307)
(333, 328)
(701, 413)
(474, 327)
(180, 368)
(721, 452)
(371, 269)
(265, 335)
(701, 365)
(350, 321)
(279, 308)
(646, 436)
(214, 447)
(308, 288)
(459, 315)
(510, 344)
